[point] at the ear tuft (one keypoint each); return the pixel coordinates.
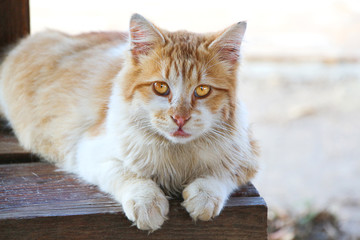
(229, 42)
(143, 36)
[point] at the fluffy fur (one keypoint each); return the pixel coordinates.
(86, 103)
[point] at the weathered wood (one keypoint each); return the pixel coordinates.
(14, 21)
(10, 150)
(10, 145)
(37, 202)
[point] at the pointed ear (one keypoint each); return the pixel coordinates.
(229, 41)
(143, 36)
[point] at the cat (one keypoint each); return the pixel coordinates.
(143, 115)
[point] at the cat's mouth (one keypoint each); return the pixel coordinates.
(180, 133)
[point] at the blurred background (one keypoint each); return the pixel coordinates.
(300, 79)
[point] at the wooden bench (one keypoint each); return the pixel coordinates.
(39, 202)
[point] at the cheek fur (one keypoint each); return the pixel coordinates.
(160, 116)
(219, 102)
(158, 104)
(158, 108)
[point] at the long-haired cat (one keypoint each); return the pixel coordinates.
(143, 115)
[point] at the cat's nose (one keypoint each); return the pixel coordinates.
(180, 120)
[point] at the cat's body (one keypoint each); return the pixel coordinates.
(91, 106)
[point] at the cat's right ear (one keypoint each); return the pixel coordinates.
(143, 36)
(227, 45)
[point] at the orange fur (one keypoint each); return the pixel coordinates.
(87, 103)
(44, 81)
(188, 56)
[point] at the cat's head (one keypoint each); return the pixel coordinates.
(182, 84)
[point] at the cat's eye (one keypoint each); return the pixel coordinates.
(202, 91)
(161, 88)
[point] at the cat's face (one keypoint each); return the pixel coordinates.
(183, 85)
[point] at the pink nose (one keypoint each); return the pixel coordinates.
(180, 120)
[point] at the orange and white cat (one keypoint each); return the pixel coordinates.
(142, 115)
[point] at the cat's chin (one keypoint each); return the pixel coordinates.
(180, 140)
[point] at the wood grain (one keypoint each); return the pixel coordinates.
(14, 21)
(38, 202)
(10, 150)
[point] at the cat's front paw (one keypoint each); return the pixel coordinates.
(202, 201)
(147, 207)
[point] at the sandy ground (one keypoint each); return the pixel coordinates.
(307, 120)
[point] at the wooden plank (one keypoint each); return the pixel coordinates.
(37, 202)
(10, 150)
(10, 145)
(14, 21)
(37, 190)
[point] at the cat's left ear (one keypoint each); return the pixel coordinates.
(143, 36)
(228, 43)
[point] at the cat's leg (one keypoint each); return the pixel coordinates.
(142, 200)
(144, 203)
(205, 197)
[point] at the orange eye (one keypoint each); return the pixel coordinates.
(161, 88)
(202, 91)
